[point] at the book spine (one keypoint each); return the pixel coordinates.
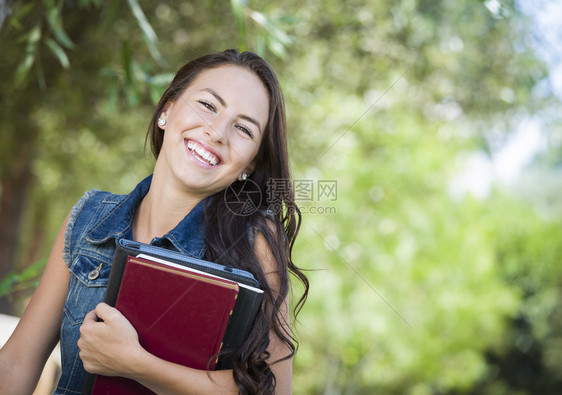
(115, 276)
(239, 326)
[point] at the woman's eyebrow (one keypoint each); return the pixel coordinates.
(216, 95)
(250, 119)
(223, 103)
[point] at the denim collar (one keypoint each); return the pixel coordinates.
(187, 237)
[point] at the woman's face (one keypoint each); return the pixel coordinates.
(213, 130)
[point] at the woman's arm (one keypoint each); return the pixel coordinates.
(24, 355)
(104, 353)
(283, 370)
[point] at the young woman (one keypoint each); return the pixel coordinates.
(220, 125)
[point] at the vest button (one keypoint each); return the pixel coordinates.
(93, 274)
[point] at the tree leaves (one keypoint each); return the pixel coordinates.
(58, 52)
(28, 279)
(36, 35)
(148, 32)
(54, 19)
(32, 40)
(271, 37)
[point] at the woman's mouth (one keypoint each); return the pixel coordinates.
(203, 155)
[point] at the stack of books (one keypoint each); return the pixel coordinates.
(185, 310)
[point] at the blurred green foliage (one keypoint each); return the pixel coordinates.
(417, 288)
(28, 278)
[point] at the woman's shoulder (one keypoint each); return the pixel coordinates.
(90, 200)
(94, 197)
(91, 205)
(263, 218)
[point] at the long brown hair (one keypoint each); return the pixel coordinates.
(230, 234)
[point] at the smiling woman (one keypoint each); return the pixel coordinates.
(219, 124)
(212, 132)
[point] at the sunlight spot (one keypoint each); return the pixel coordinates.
(494, 6)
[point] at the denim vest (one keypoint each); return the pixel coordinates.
(96, 222)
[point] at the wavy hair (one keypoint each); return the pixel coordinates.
(230, 234)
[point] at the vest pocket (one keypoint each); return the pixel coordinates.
(86, 288)
(82, 297)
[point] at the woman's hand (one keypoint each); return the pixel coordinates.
(109, 346)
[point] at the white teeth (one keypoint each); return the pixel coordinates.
(203, 153)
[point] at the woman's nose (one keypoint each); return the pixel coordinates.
(215, 132)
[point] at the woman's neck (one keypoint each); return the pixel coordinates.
(163, 207)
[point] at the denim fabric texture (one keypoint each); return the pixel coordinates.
(96, 222)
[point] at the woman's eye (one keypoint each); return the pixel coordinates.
(245, 130)
(207, 105)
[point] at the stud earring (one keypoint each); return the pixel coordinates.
(244, 176)
(161, 122)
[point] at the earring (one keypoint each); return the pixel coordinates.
(161, 122)
(244, 176)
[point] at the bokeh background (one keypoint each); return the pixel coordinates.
(426, 146)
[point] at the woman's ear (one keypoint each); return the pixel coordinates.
(166, 108)
(250, 168)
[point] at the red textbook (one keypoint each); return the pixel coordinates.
(180, 316)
